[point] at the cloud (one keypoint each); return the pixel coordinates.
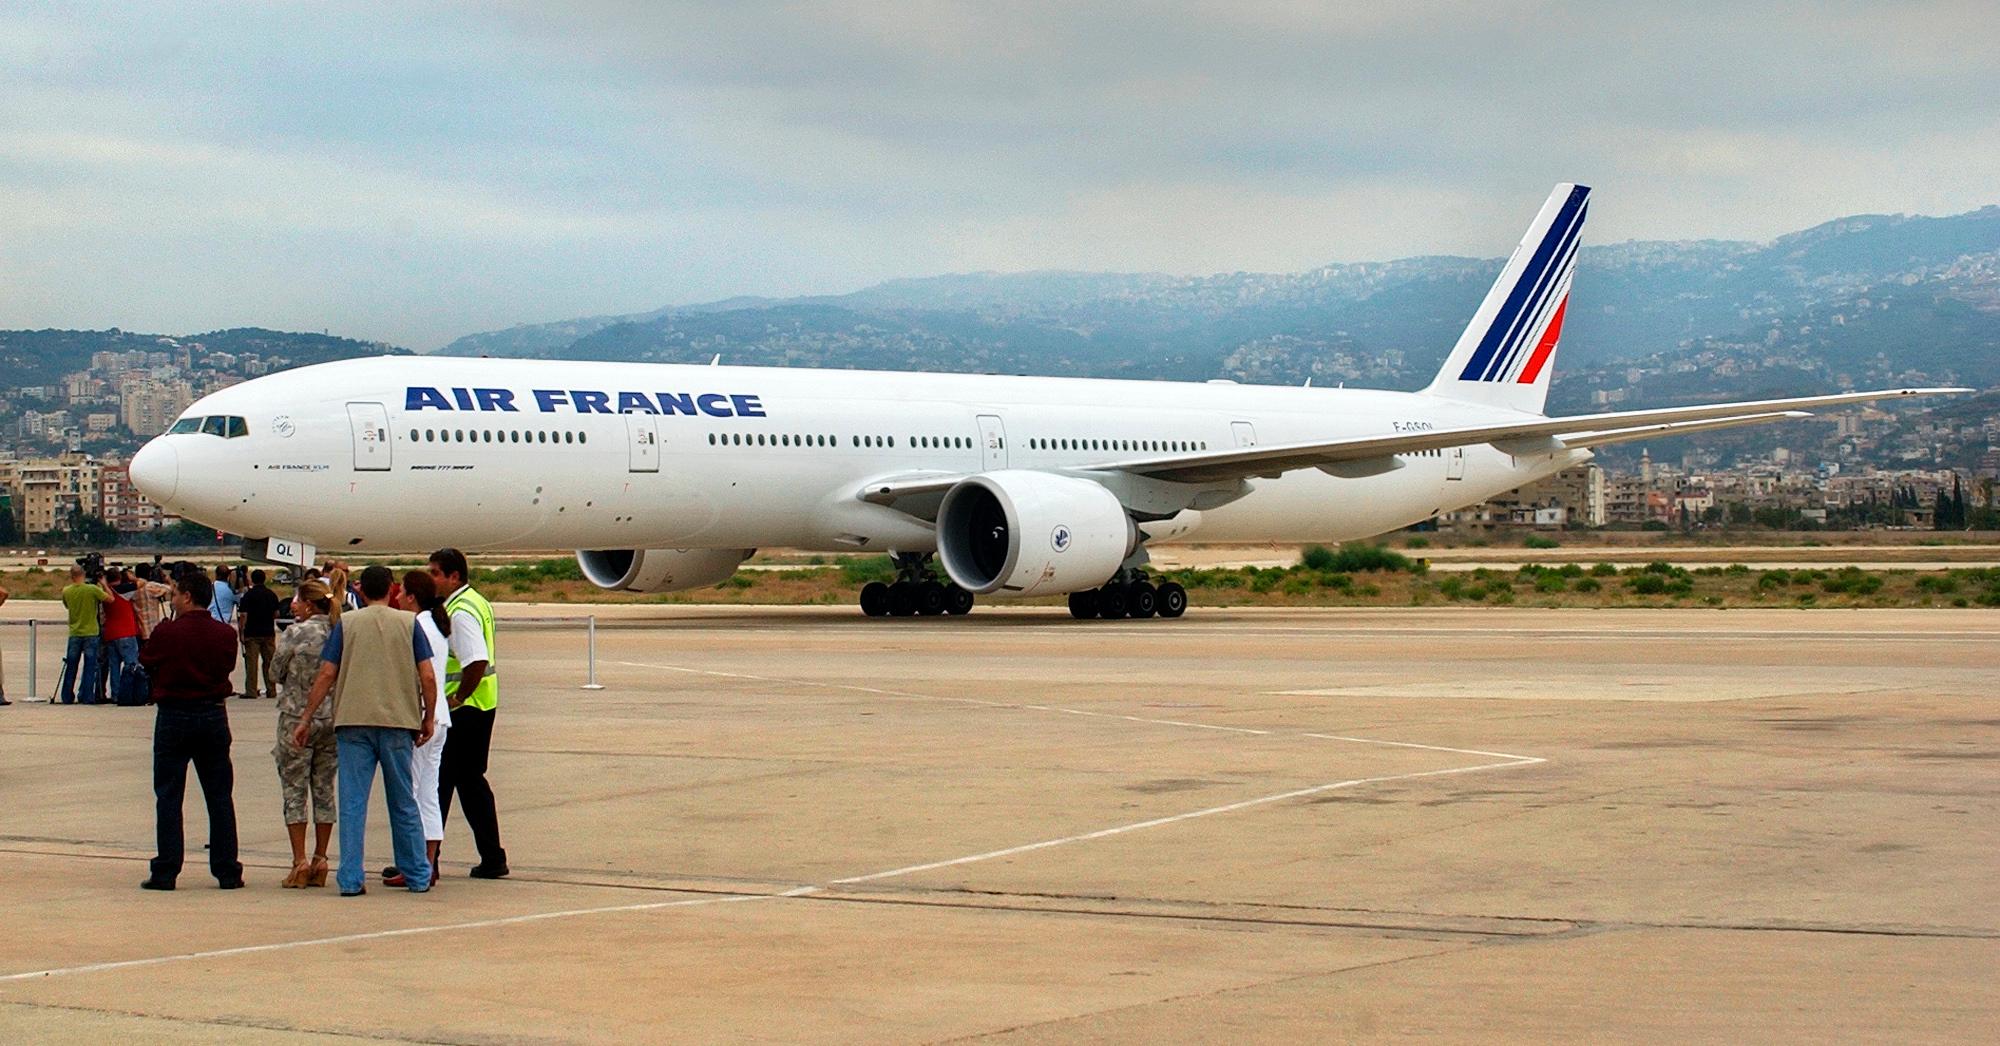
(415, 171)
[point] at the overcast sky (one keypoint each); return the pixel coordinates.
(415, 171)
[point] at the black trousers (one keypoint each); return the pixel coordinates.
(463, 769)
(198, 734)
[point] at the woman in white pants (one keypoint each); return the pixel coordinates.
(420, 597)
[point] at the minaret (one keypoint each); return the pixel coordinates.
(1646, 468)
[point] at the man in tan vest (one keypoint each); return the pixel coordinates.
(377, 663)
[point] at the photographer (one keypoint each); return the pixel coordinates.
(82, 600)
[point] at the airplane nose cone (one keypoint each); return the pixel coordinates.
(156, 471)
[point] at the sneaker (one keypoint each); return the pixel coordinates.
(393, 876)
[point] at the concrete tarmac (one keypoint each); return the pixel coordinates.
(792, 824)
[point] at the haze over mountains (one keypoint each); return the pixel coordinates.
(1865, 299)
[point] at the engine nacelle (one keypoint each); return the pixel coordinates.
(1020, 533)
(660, 569)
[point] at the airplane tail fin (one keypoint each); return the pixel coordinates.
(1503, 358)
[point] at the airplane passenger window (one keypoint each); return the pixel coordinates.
(583, 437)
(211, 426)
(185, 425)
(567, 437)
(413, 435)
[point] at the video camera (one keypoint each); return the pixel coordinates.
(93, 566)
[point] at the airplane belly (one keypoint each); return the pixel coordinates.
(1308, 506)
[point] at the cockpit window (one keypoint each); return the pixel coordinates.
(228, 426)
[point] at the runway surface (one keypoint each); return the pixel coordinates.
(1248, 825)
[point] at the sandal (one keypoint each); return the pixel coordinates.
(300, 869)
(316, 874)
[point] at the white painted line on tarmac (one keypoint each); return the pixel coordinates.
(1190, 815)
(408, 931)
(1508, 761)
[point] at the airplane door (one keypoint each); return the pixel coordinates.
(643, 433)
(993, 439)
(1246, 434)
(1454, 463)
(370, 422)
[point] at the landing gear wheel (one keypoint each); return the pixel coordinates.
(903, 599)
(930, 598)
(1083, 605)
(1111, 602)
(875, 599)
(1140, 600)
(957, 601)
(1173, 600)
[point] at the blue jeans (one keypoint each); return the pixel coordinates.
(358, 750)
(124, 655)
(82, 648)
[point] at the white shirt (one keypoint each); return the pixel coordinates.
(437, 643)
(468, 640)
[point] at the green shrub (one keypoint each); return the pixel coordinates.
(1589, 584)
(1604, 570)
(1551, 583)
(1646, 584)
(1501, 596)
(1771, 579)
(1942, 584)
(1367, 590)
(1451, 587)
(1737, 568)
(1570, 570)
(1417, 543)
(1538, 541)
(1357, 559)
(1317, 557)
(1297, 586)
(1338, 582)
(1476, 593)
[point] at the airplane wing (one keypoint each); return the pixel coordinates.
(1535, 435)
(918, 493)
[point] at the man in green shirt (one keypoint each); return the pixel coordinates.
(82, 601)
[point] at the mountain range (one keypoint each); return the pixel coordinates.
(1859, 300)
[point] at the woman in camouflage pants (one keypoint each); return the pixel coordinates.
(308, 769)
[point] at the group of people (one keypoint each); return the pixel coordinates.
(374, 672)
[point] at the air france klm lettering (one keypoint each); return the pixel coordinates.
(584, 401)
(668, 477)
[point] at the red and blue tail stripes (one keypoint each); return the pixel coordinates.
(1516, 347)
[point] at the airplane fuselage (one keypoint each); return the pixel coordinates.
(402, 453)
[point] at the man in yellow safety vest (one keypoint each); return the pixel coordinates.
(472, 689)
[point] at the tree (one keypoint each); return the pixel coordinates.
(10, 531)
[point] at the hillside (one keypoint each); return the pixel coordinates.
(1858, 299)
(42, 357)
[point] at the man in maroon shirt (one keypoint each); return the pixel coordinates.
(189, 660)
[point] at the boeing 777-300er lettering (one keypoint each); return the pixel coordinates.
(669, 476)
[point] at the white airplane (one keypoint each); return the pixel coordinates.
(669, 476)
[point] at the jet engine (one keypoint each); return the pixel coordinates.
(660, 569)
(1022, 533)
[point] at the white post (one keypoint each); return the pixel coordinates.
(591, 683)
(34, 647)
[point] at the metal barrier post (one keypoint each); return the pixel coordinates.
(591, 670)
(34, 648)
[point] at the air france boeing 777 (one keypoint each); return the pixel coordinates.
(668, 477)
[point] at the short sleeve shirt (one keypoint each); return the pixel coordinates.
(468, 640)
(81, 601)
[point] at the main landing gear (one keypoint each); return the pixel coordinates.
(916, 591)
(1129, 595)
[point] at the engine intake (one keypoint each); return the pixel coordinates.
(1016, 532)
(659, 569)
